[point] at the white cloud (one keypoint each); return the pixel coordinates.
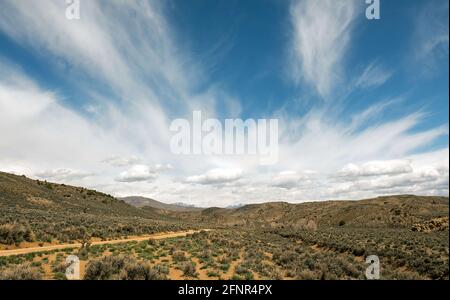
(373, 168)
(322, 32)
(414, 181)
(37, 128)
(62, 175)
(372, 113)
(137, 173)
(326, 144)
(216, 176)
(99, 43)
(426, 174)
(163, 167)
(288, 179)
(373, 75)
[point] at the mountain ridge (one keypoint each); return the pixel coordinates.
(141, 202)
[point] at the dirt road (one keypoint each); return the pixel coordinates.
(156, 236)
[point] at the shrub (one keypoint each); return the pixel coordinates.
(21, 272)
(189, 269)
(358, 251)
(225, 267)
(122, 268)
(139, 271)
(178, 256)
(15, 233)
(286, 258)
(162, 269)
(241, 270)
(213, 274)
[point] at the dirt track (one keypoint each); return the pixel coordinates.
(157, 236)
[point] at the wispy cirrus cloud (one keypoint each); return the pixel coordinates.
(321, 36)
(374, 75)
(430, 40)
(120, 60)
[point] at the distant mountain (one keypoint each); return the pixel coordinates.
(389, 211)
(184, 205)
(142, 202)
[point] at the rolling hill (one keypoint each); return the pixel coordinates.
(43, 211)
(390, 211)
(147, 202)
(57, 211)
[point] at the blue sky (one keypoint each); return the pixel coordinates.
(362, 104)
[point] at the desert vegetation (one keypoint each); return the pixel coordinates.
(250, 254)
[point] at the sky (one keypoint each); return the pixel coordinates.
(362, 104)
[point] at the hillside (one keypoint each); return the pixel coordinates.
(392, 211)
(51, 211)
(57, 211)
(147, 202)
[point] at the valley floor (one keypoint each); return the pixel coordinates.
(333, 253)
